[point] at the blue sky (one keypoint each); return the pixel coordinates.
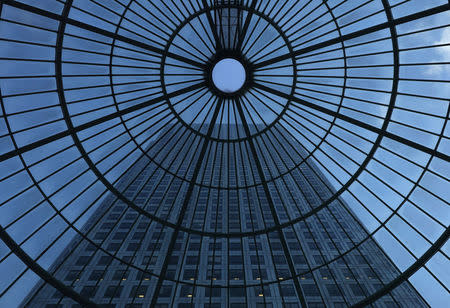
(414, 202)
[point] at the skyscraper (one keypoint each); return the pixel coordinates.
(301, 264)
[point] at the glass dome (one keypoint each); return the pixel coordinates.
(224, 153)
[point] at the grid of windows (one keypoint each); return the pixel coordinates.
(237, 270)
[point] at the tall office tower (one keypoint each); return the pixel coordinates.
(145, 263)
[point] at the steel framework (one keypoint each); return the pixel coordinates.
(338, 75)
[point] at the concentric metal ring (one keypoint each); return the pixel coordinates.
(299, 104)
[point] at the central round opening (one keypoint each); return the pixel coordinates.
(228, 75)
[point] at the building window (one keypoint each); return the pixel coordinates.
(190, 274)
(143, 276)
(237, 292)
(96, 275)
(165, 291)
(113, 292)
(100, 235)
(120, 236)
(113, 247)
(236, 274)
(213, 292)
(121, 275)
(83, 260)
(148, 260)
(186, 291)
(72, 275)
(235, 246)
(299, 259)
(89, 291)
(310, 290)
(332, 290)
(279, 259)
(138, 235)
(236, 260)
(154, 246)
(138, 291)
(90, 247)
(288, 290)
(358, 290)
(192, 260)
(104, 260)
(133, 246)
(125, 225)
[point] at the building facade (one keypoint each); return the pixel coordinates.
(233, 255)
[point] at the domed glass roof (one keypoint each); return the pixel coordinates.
(224, 153)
